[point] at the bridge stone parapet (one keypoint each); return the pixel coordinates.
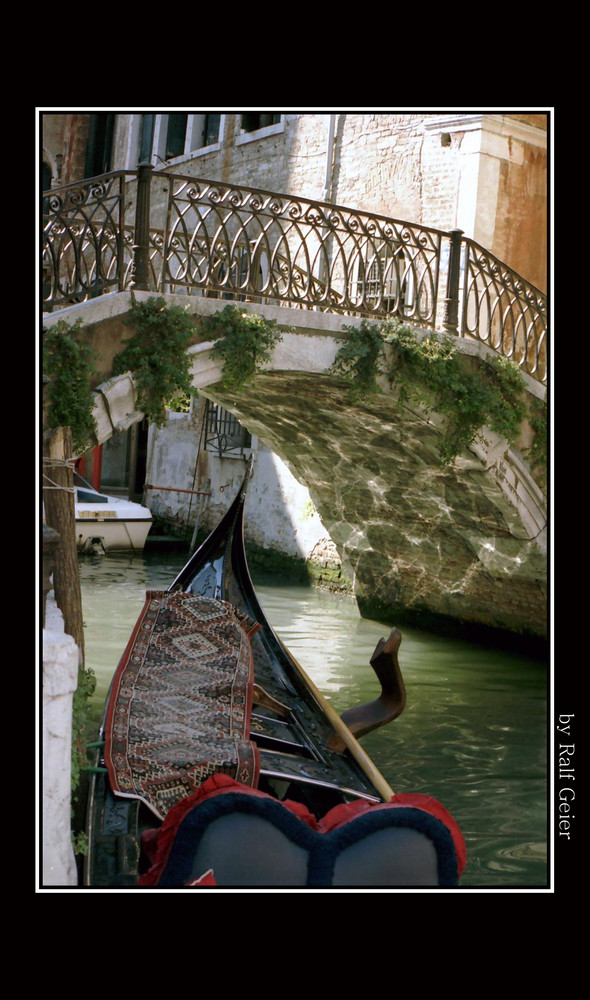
(105, 329)
(312, 346)
(461, 545)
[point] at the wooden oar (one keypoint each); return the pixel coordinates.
(347, 740)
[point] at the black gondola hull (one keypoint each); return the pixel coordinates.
(307, 755)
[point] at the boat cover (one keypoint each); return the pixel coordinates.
(226, 834)
(181, 699)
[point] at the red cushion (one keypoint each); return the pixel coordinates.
(248, 834)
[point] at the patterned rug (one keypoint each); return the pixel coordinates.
(181, 699)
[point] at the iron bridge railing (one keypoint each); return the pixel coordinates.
(167, 232)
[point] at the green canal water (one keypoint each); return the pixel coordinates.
(473, 734)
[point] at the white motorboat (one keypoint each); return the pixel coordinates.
(109, 523)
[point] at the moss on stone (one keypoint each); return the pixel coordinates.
(330, 577)
(264, 563)
(297, 570)
(274, 564)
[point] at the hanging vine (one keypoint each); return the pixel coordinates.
(360, 360)
(537, 452)
(244, 343)
(157, 355)
(472, 393)
(68, 365)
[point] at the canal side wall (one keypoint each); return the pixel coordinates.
(60, 679)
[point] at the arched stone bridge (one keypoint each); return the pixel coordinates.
(461, 545)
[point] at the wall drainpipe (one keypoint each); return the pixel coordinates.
(324, 264)
(329, 159)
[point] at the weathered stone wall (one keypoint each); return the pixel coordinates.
(487, 175)
(521, 215)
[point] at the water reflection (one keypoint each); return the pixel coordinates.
(473, 733)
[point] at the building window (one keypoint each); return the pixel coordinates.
(167, 137)
(259, 125)
(224, 434)
(210, 130)
(146, 140)
(253, 120)
(175, 136)
(46, 176)
(99, 148)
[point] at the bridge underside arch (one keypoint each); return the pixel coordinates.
(455, 547)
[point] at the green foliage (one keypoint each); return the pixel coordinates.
(80, 723)
(308, 510)
(181, 404)
(537, 453)
(80, 843)
(156, 354)
(67, 362)
(471, 393)
(245, 342)
(358, 361)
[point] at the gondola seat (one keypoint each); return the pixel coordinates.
(230, 835)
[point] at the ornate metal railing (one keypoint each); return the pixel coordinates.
(86, 247)
(249, 242)
(503, 310)
(172, 233)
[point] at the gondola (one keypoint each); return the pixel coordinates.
(221, 764)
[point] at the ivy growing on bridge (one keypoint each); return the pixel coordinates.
(360, 361)
(537, 453)
(471, 393)
(156, 354)
(244, 343)
(68, 364)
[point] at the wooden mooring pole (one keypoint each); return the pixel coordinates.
(60, 514)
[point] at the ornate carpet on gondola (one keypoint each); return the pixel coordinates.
(180, 703)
